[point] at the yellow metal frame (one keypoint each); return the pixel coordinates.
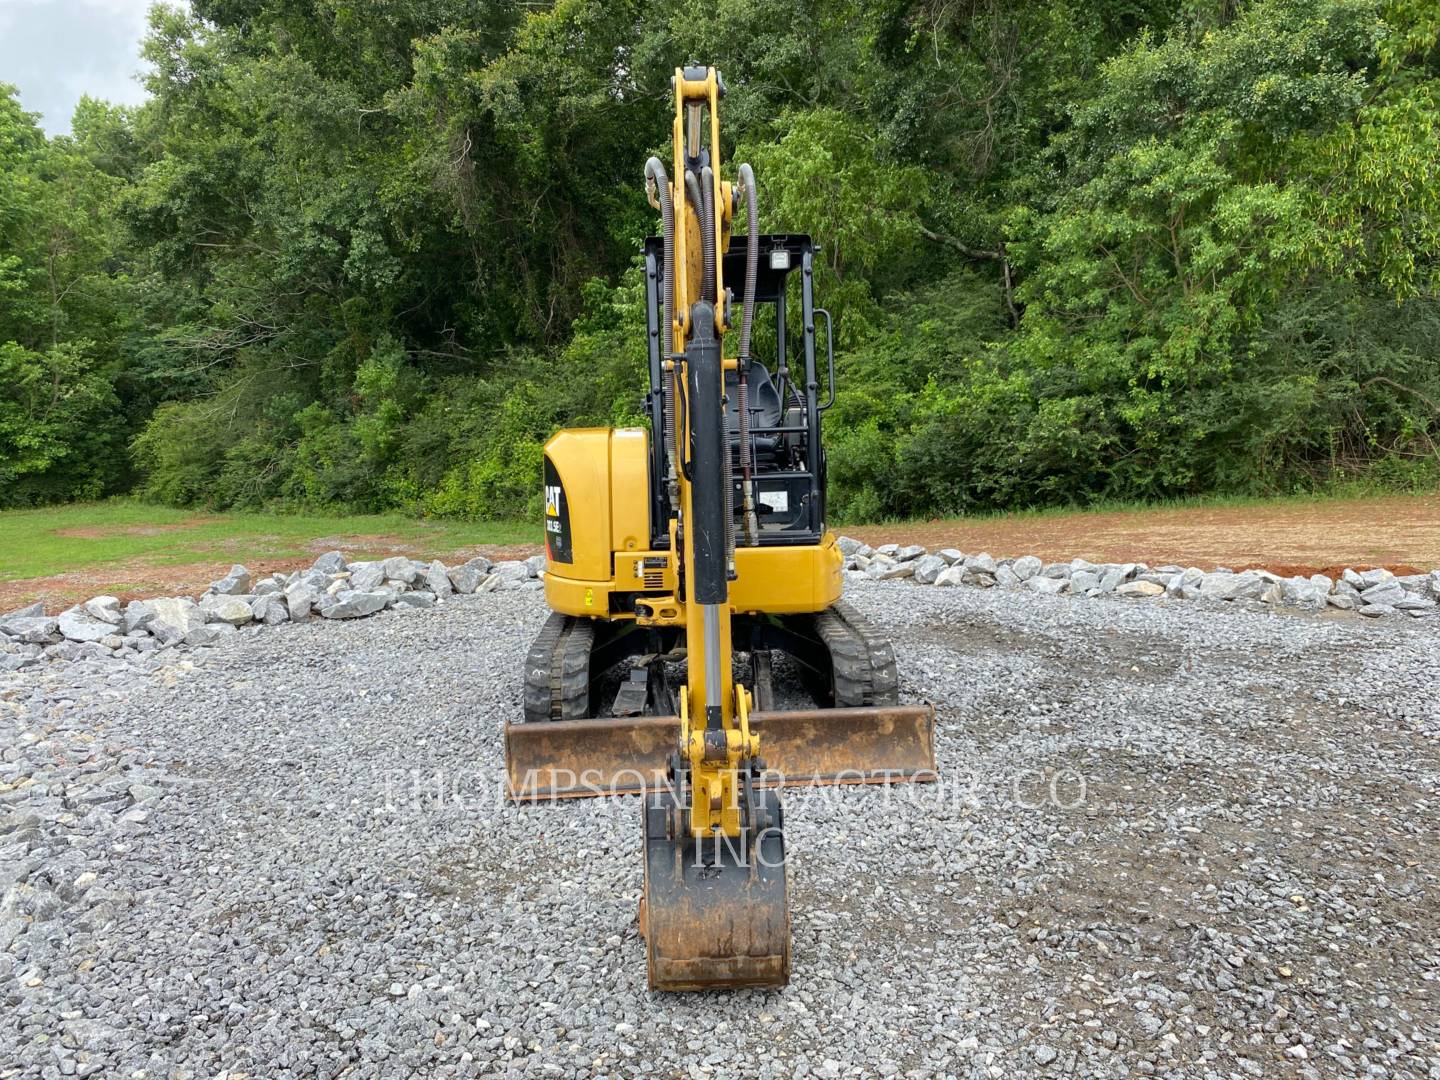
(778, 581)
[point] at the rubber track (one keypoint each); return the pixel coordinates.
(557, 670)
(864, 661)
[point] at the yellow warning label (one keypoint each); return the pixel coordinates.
(589, 597)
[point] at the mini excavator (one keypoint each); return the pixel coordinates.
(683, 560)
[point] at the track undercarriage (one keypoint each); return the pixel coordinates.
(844, 662)
(601, 713)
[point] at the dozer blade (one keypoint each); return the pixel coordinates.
(625, 756)
(715, 915)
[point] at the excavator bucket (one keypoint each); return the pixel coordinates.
(715, 913)
(566, 759)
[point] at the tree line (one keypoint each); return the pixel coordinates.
(370, 255)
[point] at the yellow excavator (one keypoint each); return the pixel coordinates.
(684, 552)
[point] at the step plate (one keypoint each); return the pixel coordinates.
(569, 759)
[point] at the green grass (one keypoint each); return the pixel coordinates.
(52, 540)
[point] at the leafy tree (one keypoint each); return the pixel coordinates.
(372, 255)
(59, 321)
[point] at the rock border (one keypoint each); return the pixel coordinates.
(1373, 593)
(100, 629)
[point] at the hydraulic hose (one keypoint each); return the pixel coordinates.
(752, 259)
(707, 235)
(659, 183)
(747, 317)
(696, 195)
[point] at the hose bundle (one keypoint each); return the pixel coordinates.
(659, 184)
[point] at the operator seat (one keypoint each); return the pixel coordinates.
(765, 411)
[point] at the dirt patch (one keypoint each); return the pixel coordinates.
(1399, 533)
(101, 532)
(139, 578)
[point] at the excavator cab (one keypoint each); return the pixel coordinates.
(685, 561)
(784, 407)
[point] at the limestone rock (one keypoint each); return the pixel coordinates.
(209, 634)
(78, 626)
(31, 630)
(29, 611)
(983, 563)
(437, 579)
(927, 569)
(270, 609)
(398, 568)
(174, 617)
(888, 571)
(467, 577)
(227, 609)
(137, 615)
(366, 576)
(1048, 585)
(300, 597)
(236, 582)
(1382, 592)
(1026, 567)
(950, 576)
(354, 603)
(332, 562)
(1140, 588)
(104, 608)
(511, 570)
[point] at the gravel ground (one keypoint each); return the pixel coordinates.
(1174, 839)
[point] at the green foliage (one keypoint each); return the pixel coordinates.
(61, 317)
(1224, 231)
(372, 256)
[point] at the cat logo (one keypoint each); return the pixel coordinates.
(557, 517)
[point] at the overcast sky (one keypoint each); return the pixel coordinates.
(57, 50)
